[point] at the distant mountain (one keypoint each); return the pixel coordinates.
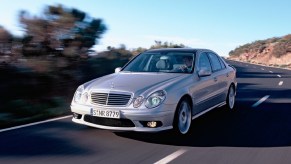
(273, 51)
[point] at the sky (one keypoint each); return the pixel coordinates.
(219, 25)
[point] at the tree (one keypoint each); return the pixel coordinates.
(58, 27)
(118, 53)
(5, 41)
(160, 44)
(138, 50)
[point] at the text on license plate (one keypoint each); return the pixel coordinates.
(105, 113)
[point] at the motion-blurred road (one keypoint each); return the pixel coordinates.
(257, 131)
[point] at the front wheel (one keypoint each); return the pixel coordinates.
(230, 99)
(183, 118)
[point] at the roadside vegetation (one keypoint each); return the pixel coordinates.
(40, 71)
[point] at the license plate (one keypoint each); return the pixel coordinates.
(107, 113)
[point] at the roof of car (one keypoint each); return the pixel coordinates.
(177, 49)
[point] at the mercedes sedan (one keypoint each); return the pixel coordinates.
(157, 90)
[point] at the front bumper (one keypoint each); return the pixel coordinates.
(164, 114)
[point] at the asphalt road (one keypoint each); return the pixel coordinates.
(257, 131)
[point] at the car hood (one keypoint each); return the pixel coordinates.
(132, 82)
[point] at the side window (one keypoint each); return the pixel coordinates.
(222, 63)
(215, 63)
(204, 62)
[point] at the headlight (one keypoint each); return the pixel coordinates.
(80, 95)
(84, 97)
(138, 101)
(155, 99)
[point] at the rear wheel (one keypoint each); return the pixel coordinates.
(230, 99)
(183, 118)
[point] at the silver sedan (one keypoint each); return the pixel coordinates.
(157, 90)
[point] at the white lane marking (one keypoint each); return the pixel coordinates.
(279, 75)
(271, 71)
(255, 67)
(35, 123)
(247, 65)
(171, 157)
(261, 101)
(280, 83)
(262, 68)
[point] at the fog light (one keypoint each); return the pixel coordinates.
(152, 124)
(77, 116)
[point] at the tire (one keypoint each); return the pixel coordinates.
(183, 118)
(230, 99)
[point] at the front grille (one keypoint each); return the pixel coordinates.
(118, 99)
(108, 121)
(112, 99)
(99, 98)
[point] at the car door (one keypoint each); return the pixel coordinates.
(220, 77)
(202, 91)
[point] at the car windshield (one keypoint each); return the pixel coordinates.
(169, 62)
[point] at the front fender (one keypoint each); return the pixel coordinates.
(176, 91)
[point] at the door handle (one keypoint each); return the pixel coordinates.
(215, 79)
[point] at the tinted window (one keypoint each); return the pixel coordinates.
(222, 63)
(215, 63)
(204, 62)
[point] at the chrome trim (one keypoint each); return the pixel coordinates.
(209, 109)
(107, 93)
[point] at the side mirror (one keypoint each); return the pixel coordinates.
(204, 72)
(118, 69)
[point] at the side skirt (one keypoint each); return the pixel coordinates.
(209, 109)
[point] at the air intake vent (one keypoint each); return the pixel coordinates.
(109, 121)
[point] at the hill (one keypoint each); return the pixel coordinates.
(273, 52)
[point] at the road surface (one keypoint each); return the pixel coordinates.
(257, 131)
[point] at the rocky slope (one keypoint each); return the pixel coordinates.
(273, 52)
